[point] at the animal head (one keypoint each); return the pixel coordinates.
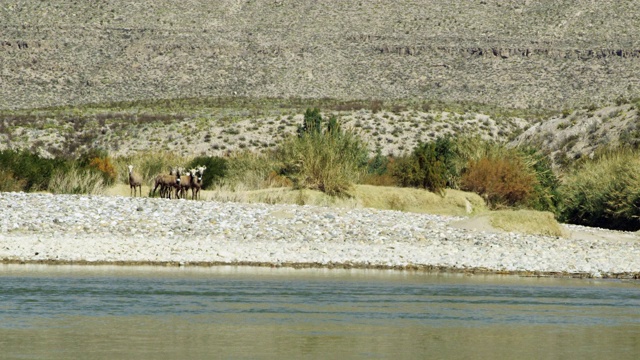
(200, 172)
(130, 168)
(201, 169)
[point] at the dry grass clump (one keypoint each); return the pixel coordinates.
(454, 202)
(283, 195)
(250, 171)
(330, 161)
(77, 181)
(526, 221)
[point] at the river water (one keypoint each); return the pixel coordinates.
(110, 312)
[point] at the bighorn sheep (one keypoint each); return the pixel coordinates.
(196, 181)
(185, 184)
(135, 181)
(167, 182)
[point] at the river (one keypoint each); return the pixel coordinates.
(138, 312)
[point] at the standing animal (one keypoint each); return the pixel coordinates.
(176, 186)
(185, 184)
(167, 182)
(135, 181)
(196, 181)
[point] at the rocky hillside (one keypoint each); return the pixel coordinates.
(573, 135)
(512, 53)
(214, 132)
(565, 137)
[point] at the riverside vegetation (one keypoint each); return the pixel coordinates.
(324, 156)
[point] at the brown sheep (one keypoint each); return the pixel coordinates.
(196, 181)
(135, 181)
(167, 182)
(185, 184)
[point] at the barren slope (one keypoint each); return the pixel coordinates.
(546, 54)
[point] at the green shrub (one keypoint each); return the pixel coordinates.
(406, 170)
(329, 161)
(216, 169)
(431, 166)
(378, 164)
(431, 172)
(603, 192)
(380, 170)
(30, 169)
(545, 195)
(312, 122)
(8, 182)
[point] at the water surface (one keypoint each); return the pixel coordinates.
(61, 312)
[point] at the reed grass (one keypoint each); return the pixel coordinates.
(604, 192)
(250, 171)
(325, 161)
(77, 181)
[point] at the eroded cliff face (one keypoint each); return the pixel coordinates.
(509, 53)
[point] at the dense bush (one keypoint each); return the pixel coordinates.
(502, 180)
(29, 170)
(603, 192)
(8, 182)
(545, 195)
(430, 166)
(312, 122)
(98, 161)
(379, 170)
(216, 169)
(329, 160)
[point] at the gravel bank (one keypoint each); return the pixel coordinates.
(120, 230)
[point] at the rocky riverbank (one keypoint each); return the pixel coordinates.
(45, 228)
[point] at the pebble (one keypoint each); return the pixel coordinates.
(41, 227)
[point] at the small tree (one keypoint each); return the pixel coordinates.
(427, 167)
(432, 172)
(312, 122)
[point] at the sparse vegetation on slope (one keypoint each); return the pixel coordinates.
(536, 54)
